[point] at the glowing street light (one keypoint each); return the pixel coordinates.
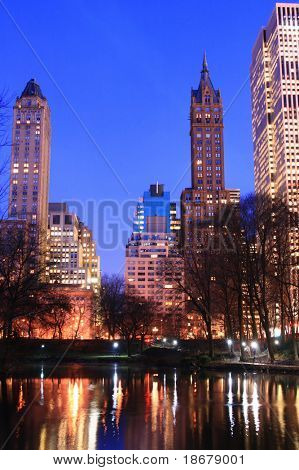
(175, 343)
(243, 344)
(254, 347)
(230, 344)
(276, 342)
(115, 347)
(42, 346)
(164, 340)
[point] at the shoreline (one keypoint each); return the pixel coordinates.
(98, 361)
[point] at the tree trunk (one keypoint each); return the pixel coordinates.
(4, 389)
(294, 342)
(240, 317)
(253, 321)
(282, 319)
(129, 347)
(7, 329)
(269, 341)
(210, 338)
(141, 343)
(30, 329)
(228, 325)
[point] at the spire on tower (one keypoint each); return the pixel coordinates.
(205, 63)
(204, 83)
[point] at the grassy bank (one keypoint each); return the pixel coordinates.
(98, 352)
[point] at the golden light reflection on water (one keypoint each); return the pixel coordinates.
(118, 408)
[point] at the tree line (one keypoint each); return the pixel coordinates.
(242, 270)
(122, 314)
(27, 301)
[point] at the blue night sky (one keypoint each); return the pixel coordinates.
(117, 76)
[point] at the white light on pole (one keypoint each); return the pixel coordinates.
(164, 340)
(115, 345)
(175, 343)
(230, 344)
(254, 347)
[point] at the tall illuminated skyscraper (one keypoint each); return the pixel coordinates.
(207, 193)
(274, 76)
(30, 157)
(153, 246)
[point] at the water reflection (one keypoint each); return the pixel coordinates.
(126, 408)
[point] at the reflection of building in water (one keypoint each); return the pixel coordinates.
(133, 409)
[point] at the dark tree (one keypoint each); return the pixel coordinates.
(109, 303)
(23, 291)
(198, 283)
(135, 319)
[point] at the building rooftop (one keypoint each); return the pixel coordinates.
(205, 81)
(32, 89)
(58, 207)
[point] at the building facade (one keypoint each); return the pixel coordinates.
(274, 76)
(30, 157)
(71, 250)
(175, 221)
(150, 253)
(207, 193)
(149, 257)
(77, 323)
(153, 212)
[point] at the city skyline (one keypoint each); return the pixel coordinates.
(149, 232)
(173, 89)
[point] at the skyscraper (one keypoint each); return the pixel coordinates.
(274, 76)
(152, 247)
(71, 250)
(153, 210)
(207, 193)
(30, 157)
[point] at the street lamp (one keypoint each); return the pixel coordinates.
(276, 342)
(243, 344)
(254, 347)
(175, 343)
(230, 344)
(42, 346)
(164, 340)
(115, 347)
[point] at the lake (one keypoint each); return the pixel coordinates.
(119, 407)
